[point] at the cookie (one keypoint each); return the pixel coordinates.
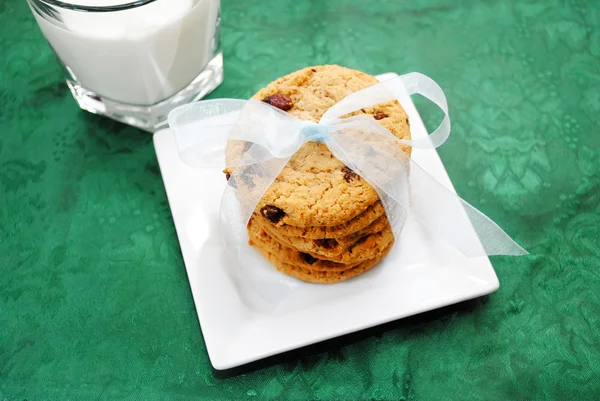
(323, 276)
(315, 188)
(262, 241)
(358, 223)
(326, 247)
(367, 247)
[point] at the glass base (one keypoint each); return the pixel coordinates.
(154, 117)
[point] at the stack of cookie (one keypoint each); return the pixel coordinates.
(319, 221)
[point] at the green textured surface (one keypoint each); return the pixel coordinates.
(94, 299)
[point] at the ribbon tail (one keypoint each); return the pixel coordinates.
(252, 174)
(246, 137)
(245, 188)
(443, 213)
(374, 153)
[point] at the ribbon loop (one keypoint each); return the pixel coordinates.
(417, 83)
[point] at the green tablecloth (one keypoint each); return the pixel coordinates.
(94, 299)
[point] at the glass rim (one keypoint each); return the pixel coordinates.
(127, 5)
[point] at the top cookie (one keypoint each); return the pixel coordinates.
(315, 188)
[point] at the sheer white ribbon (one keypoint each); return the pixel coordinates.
(203, 129)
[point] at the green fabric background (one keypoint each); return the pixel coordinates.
(94, 299)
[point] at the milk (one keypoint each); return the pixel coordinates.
(139, 56)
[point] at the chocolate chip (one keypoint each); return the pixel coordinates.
(308, 258)
(327, 243)
(279, 100)
(313, 70)
(349, 175)
(379, 115)
(272, 213)
(227, 175)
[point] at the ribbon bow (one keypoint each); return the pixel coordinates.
(203, 129)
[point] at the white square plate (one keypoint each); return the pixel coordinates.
(423, 273)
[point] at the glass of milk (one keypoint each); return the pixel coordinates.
(135, 60)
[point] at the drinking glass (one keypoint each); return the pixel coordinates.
(134, 61)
